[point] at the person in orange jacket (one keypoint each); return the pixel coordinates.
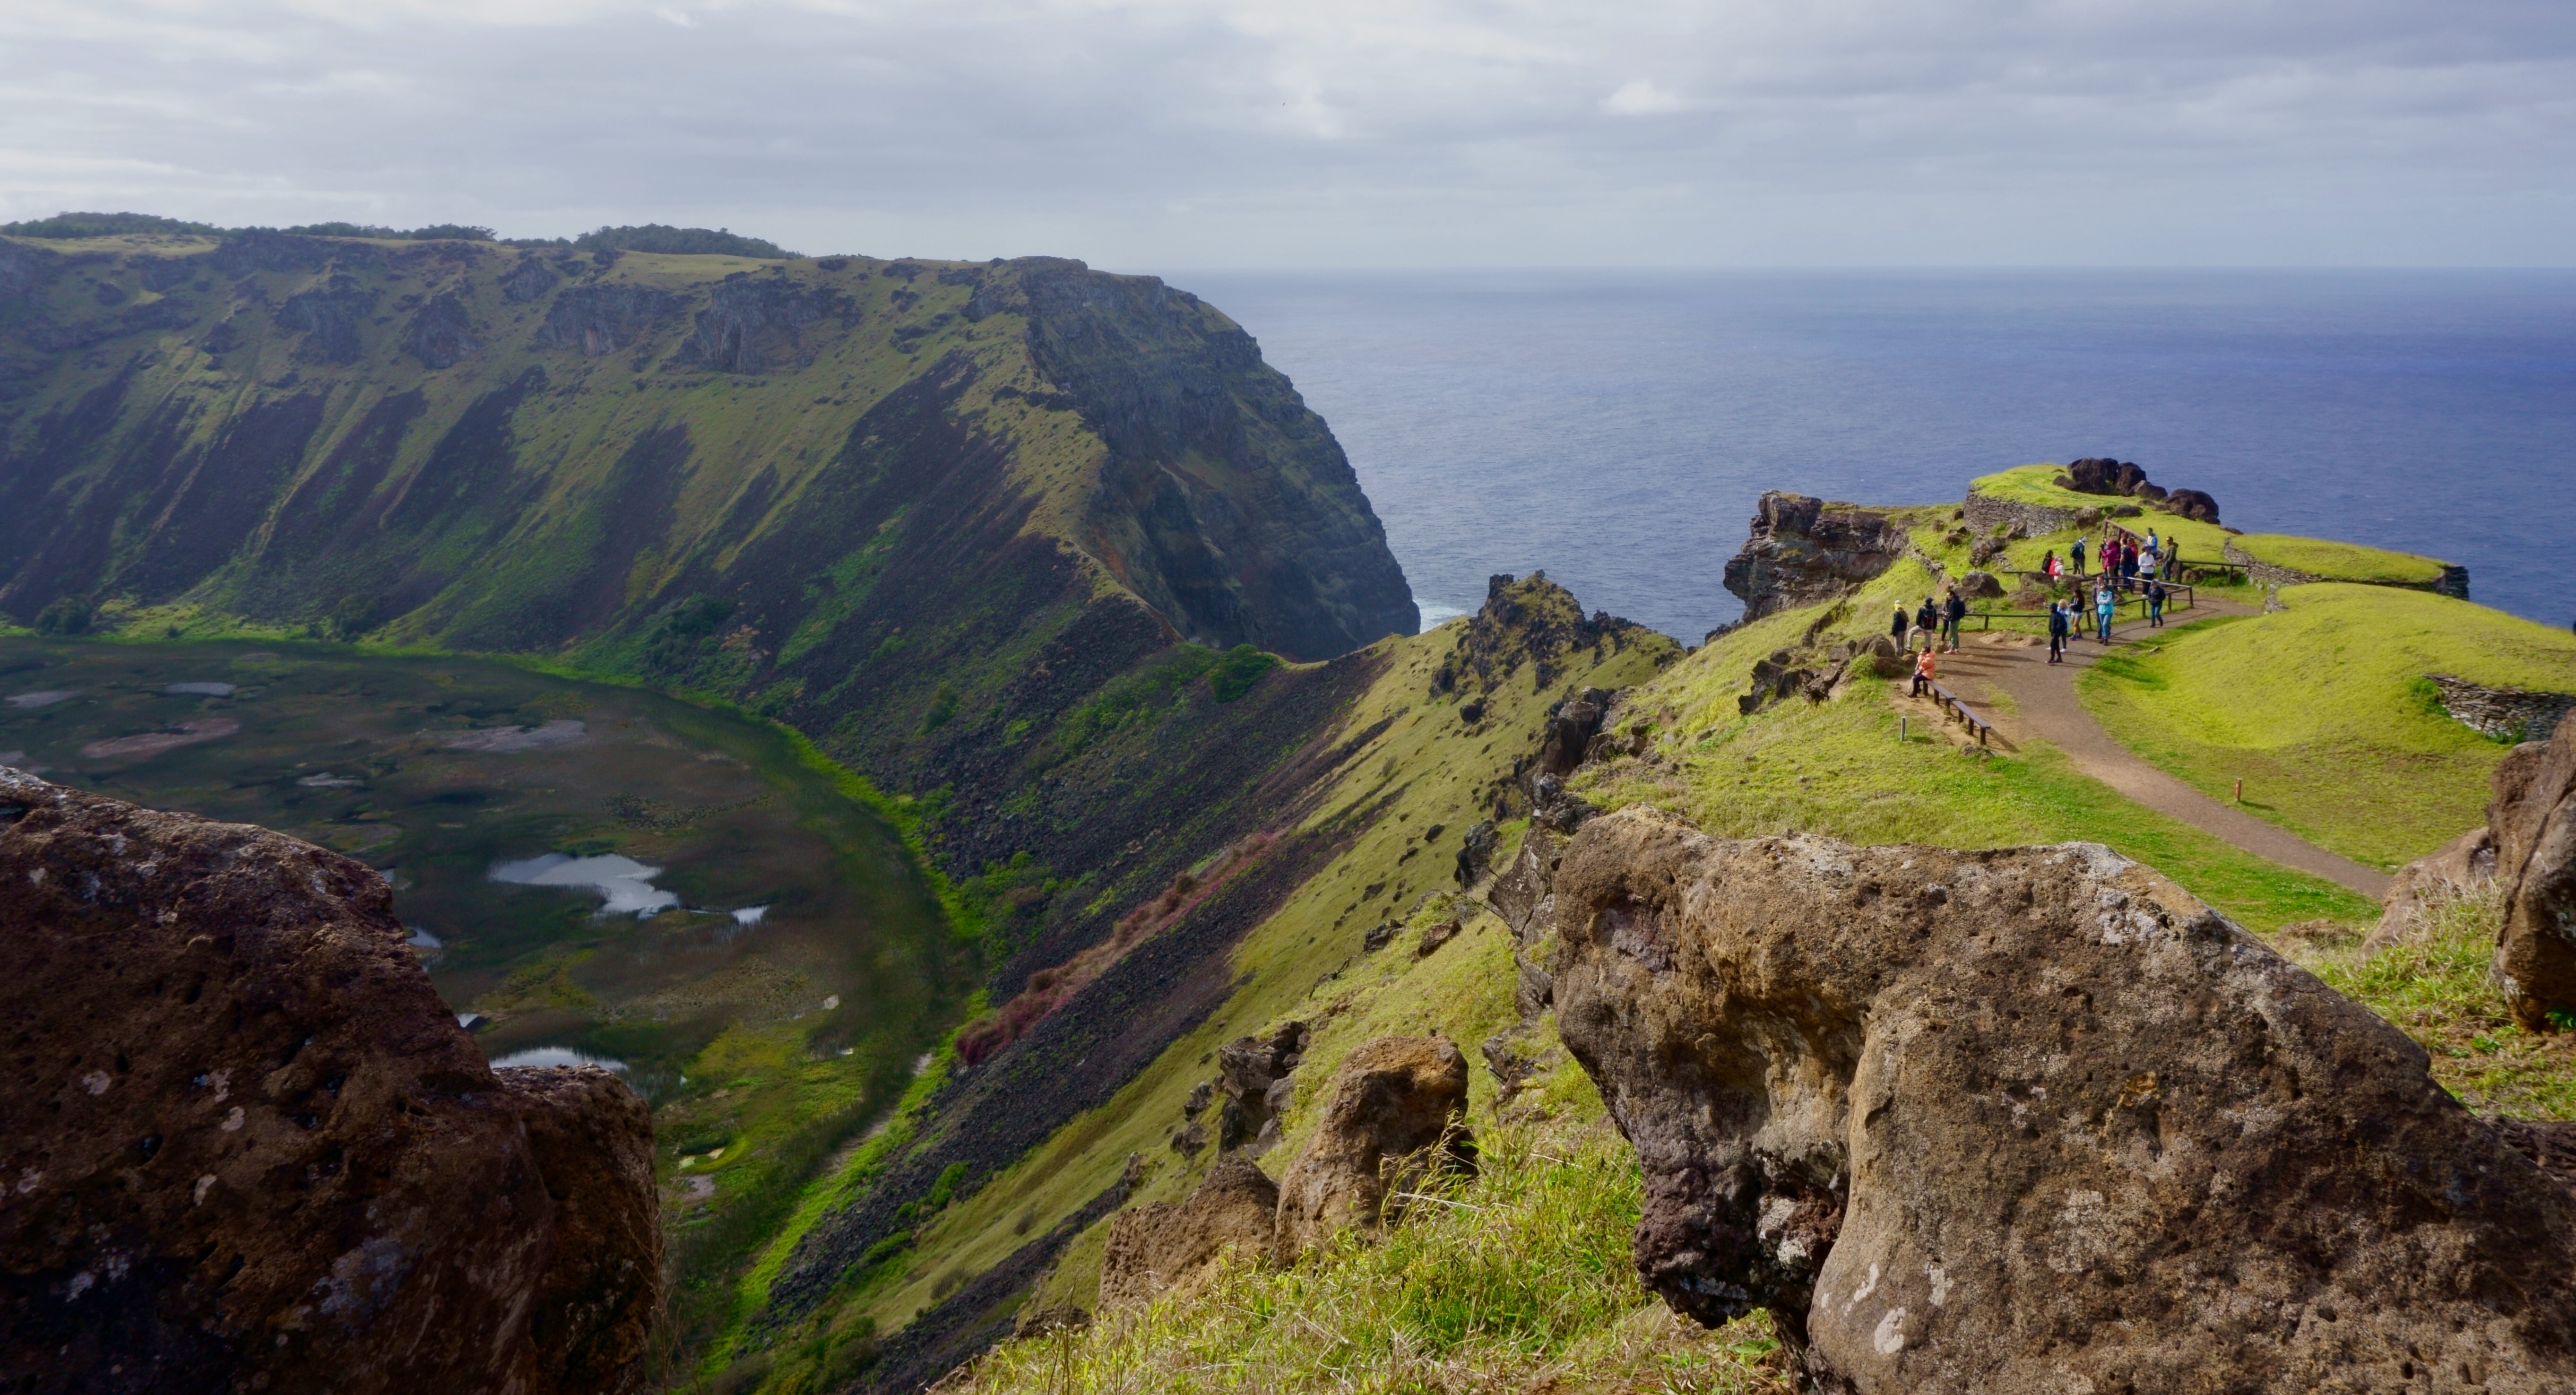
(1925, 671)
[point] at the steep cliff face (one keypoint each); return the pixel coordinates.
(1803, 550)
(485, 447)
(250, 1149)
(967, 526)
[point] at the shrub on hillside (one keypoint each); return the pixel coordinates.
(64, 615)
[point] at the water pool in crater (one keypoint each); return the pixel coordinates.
(546, 839)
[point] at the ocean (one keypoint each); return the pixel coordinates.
(1615, 428)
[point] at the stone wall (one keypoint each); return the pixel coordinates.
(1984, 511)
(2506, 714)
(2453, 582)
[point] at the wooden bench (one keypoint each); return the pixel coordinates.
(1967, 716)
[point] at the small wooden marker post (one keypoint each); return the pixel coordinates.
(1900, 737)
(2240, 789)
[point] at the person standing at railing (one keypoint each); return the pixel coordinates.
(2076, 553)
(2048, 566)
(2061, 626)
(1953, 611)
(2105, 602)
(2155, 603)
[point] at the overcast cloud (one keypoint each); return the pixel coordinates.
(1167, 134)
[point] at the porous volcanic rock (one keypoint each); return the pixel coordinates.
(2533, 818)
(1397, 1109)
(1803, 550)
(2034, 1120)
(1163, 1245)
(2454, 869)
(248, 1148)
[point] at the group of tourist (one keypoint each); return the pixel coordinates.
(2123, 558)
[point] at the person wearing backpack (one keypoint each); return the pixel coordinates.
(2076, 553)
(2059, 628)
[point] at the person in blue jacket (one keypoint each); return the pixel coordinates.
(2104, 603)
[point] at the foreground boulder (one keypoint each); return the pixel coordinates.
(2034, 1120)
(248, 1148)
(1164, 1245)
(1396, 1109)
(2533, 821)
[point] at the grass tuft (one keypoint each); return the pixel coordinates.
(2437, 987)
(1518, 1279)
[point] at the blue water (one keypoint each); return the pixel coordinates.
(1616, 428)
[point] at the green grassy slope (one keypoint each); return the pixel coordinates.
(1838, 768)
(2340, 561)
(2030, 484)
(2320, 709)
(1410, 773)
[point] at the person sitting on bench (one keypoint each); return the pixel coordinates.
(1925, 671)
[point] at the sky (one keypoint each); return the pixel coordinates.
(1170, 134)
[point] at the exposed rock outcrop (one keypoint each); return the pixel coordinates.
(2457, 868)
(1804, 550)
(2533, 818)
(2126, 479)
(269, 1158)
(529, 280)
(604, 319)
(2034, 1120)
(328, 319)
(751, 323)
(1397, 1110)
(441, 335)
(1163, 1245)
(1255, 1074)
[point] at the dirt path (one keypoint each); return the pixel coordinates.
(2043, 696)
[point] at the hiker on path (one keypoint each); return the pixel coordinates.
(1952, 612)
(2059, 627)
(1925, 671)
(1896, 628)
(2128, 563)
(2048, 566)
(2077, 553)
(2151, 540)
(2155, 604)
(2105, 602)
(1927, 621)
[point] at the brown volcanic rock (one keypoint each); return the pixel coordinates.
(2533, 819)
(246, 1147)
(2034, 1120)
(1163, 1245)
(1804, 549)
(1398, 1107)
(2456, 867)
